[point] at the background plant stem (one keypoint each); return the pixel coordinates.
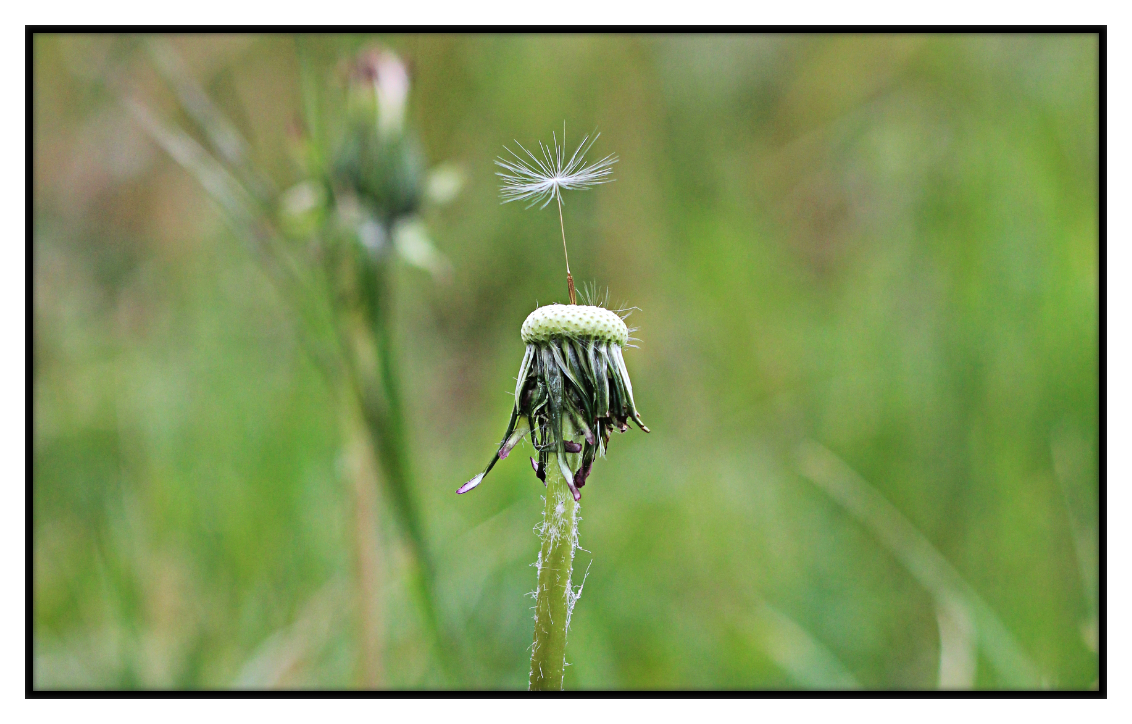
(552, 603)
(385, 418)
(370, 575)
(369, 370)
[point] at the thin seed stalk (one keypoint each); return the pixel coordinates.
(569, 276)
(553, 598)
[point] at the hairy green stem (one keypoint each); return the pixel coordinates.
(555, 598)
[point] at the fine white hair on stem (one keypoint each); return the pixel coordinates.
(542, 180)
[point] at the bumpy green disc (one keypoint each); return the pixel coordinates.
(574, 320)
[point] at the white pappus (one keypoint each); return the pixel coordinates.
(543, 179)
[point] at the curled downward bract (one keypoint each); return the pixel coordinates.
(572, 390)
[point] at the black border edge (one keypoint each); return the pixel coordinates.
(1102, 367)
(29, 354)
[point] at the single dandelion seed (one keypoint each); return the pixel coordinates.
(543, 179)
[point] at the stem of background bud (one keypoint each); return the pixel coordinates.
(370, 579)
(372, 363)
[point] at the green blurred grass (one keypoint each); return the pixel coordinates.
(884, 244)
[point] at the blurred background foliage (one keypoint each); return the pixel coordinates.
(867, 274)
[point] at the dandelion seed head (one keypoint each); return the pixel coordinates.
(542, 178)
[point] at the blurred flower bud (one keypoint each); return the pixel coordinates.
(378, 159)
(414, 246)
(300, 147)
(373, 236)
(392, 94)
(301, 209)
(380, 81)
(444, 183)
